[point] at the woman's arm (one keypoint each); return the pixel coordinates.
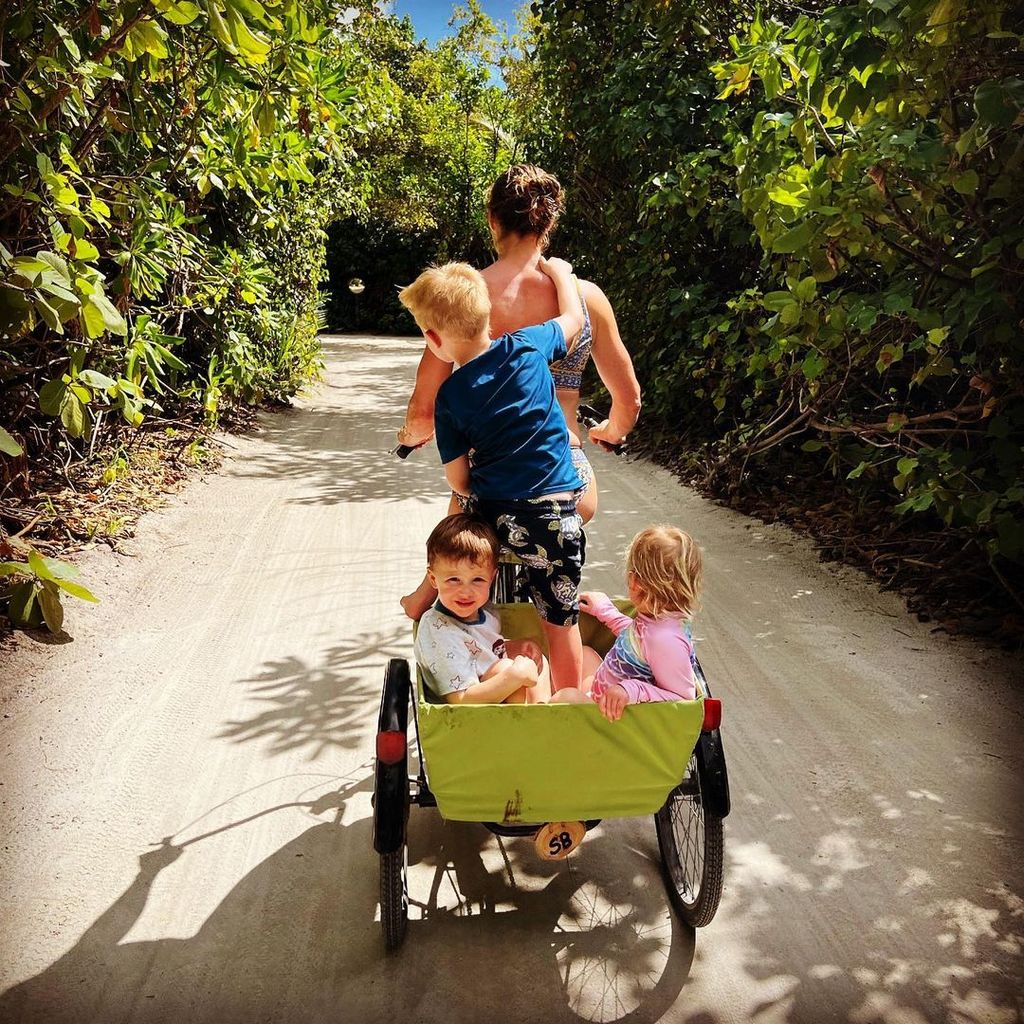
(614, 367)
(419, 416)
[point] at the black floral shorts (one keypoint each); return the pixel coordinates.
(546, 535)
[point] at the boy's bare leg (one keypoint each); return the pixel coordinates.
(541, 693)
(591, 662)
(587, 505)
(416, 603)
(565, 647)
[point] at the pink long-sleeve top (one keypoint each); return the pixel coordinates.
(650, 658)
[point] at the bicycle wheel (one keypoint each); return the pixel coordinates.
(394, 897)
(391, 801)
(692, 848)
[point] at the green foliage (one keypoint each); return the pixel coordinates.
(34, 590)
(441, 130)
(169, 170)
(810, 226)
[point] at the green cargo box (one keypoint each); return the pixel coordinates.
(514, 764)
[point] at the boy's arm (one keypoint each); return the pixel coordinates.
(570, 309)
(501, 680)
(457, 474)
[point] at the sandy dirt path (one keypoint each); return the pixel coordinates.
(186, 784)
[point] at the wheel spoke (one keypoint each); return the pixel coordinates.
(687, 824)
(690, 839)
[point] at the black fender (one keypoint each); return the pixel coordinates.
(391, 780)
(714, 779)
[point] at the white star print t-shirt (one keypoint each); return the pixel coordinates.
(453, 654)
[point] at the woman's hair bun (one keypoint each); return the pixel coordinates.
(526, 200)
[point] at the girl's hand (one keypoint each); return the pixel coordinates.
(589, 600)
(612, 702)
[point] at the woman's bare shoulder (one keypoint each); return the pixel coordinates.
(596, 300)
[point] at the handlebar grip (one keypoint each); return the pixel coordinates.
(587, 416)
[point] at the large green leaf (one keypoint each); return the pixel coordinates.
(51, 397)
(795, 238)
(8, 445)
(53, 611)
(77, 590)
(72, 414)
(23, 609)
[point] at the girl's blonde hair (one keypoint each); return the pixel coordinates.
(668, 570)
(451, 299)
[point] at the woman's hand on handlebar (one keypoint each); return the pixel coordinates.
(603, 435)
(410, 437)
(407, 442)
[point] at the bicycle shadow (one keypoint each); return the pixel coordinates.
(296, 938)
(593, 934)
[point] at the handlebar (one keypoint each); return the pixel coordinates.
(588, 416)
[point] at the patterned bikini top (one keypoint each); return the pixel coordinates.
(568, 372)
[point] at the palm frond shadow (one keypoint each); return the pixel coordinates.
(316, 704)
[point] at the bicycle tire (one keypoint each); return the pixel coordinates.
(692, 845)
(394, 897)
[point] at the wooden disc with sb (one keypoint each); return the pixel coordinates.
(557, 839)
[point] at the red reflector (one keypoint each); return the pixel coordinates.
(390, 747)
(712, 714)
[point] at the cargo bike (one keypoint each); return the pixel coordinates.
(551, 772)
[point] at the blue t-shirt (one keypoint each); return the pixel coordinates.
(500, 409)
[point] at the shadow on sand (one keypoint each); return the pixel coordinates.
(296, 938)
(336, 449)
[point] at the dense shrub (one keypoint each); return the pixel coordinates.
(168, 173)
(809, 222)
(169, 169)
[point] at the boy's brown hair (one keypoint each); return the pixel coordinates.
(451, 299)
(463, 537)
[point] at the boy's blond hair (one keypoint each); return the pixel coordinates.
(451, 299)
(668, 568)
